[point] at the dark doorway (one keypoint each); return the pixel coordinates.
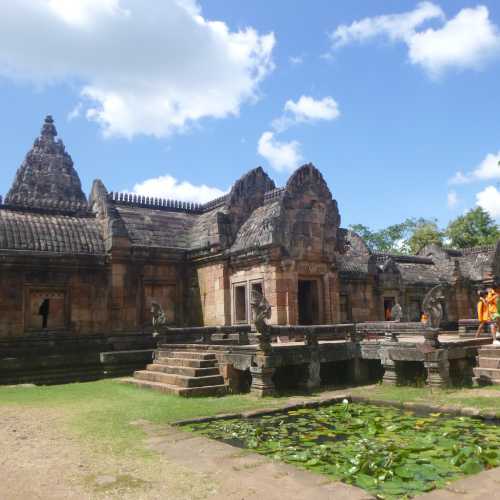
(388, 305)
(255, 287)
(308, 302)
(44, 312)
(240, 304)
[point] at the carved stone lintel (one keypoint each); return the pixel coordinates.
(262, 380)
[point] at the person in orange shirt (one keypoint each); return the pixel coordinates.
(496, 315)
(491, 300)
(483, 313)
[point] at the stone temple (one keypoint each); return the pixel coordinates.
(78, 268)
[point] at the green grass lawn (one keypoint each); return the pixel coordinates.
(101, 412)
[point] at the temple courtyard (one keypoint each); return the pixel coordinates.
(107, 440)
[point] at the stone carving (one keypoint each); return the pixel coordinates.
(397, 312)
(158, 318)
(432, 307)
(262, 312)
(434, 311)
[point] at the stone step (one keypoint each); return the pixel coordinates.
(488, 362)
(193, 355)
(492, 374)
(213, 390)
(188, 371)
(178, 380)
(193, 363)
(489, 351)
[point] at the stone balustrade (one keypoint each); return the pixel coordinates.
(206, 335)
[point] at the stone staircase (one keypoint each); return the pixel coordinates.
(184, 373)
(487, 370)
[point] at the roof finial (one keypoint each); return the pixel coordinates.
(49, 130)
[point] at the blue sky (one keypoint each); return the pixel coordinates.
(394, 101)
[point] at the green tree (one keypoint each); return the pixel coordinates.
(391, 239)
(425, 232)
(475, 228)
(407, 237)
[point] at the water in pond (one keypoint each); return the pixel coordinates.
(390, 453)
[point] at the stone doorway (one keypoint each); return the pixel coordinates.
(308, 297)
(388, 305)
(47, 310)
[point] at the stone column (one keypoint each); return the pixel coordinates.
(390, 374)
(312, 379)
(438, 368)
(262, 375)
(262, 380)
(360, 373)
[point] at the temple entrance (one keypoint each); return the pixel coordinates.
(388, 305)
(308, 302)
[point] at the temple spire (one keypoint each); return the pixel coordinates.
(46, 178)
(49, 131)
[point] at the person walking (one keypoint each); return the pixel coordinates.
(483, 313)
(492, 298)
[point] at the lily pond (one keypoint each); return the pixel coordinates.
(386, 451)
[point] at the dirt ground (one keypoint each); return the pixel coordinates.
(40, 458)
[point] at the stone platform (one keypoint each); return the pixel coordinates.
(181, 372)
(59, 357)
(199, 369)
(488, 369)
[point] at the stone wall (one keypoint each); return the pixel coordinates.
(213, 283)
(363, 300)
(77, 286)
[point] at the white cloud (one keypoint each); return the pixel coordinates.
(488, 169)
(398, 27)
(452, 199)
(466, 41)
(489, 199)
(145, 67)
(282, 156)
(463, 42)
(169, 187)
(296, 60)
(307, 110)
(75, 112)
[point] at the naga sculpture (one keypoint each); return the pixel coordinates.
(397, 312)
(158, 318)
(262, 312)
(433, 308)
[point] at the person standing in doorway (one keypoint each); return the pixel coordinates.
(43, 311)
